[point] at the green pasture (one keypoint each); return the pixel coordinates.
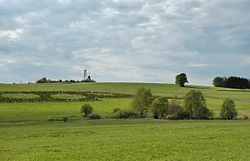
(45, 110)
(29, 133)
(127, 140)
(157, 89)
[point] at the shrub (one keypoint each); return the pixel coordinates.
(228, 110)
(44, 96)
(245, 117)
(124, 114)
(159, 107)
(94, 116)
(115, 110)
(58, 118)
(65, 119)
(176, 111)
(195, 105)
(86, 110)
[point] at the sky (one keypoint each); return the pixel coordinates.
(124, 40)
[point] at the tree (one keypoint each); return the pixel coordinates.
(159, 107)
(195, 105)
(86, 109)
(219, 81)
(228, 110)
(42, 80)
(181, 79)
(142, 101)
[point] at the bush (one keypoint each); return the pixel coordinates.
(94, 116)
(115, 110)
(86, 110)
(124, 114)
(65, 119)
(159, 107)
(176, 111)
(228, 110)
(58, 118)
(245, 117)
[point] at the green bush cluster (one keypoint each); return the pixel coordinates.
(125, 114)
(59, 118)
(94, 116)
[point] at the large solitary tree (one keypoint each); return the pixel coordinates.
(142, 101)
(181, 79)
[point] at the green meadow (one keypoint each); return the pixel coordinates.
(31, 131)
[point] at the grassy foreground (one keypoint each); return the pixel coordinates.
(127, 140)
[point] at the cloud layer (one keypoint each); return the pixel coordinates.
(124, 40)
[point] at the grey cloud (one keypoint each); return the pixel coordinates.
(141, 40)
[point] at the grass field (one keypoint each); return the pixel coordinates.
(26, 132)
(157, 89)
(127, 140)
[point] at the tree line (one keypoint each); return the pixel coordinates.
(226, 82)
(194, 106)
(144, 104)
(46, 80)
(231, 82)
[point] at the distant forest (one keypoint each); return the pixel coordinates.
(231, 82)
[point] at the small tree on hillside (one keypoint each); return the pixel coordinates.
(142, 101)
(181, 79)
(86, 109)
(195, 105)
(228, 110)
(159, 107)
(42, 80)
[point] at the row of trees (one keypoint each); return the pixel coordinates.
(194, 106)
(46, 80)
(144, 104)
(227, 82)
(231, 82)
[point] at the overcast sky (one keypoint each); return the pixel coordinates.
(124, 40)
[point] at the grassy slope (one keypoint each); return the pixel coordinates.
(127, 140)
(42, 111)
(158, 89)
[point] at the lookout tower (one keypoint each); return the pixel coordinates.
(84, 74)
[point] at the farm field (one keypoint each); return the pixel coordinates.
(31, 131)
(140, 139)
